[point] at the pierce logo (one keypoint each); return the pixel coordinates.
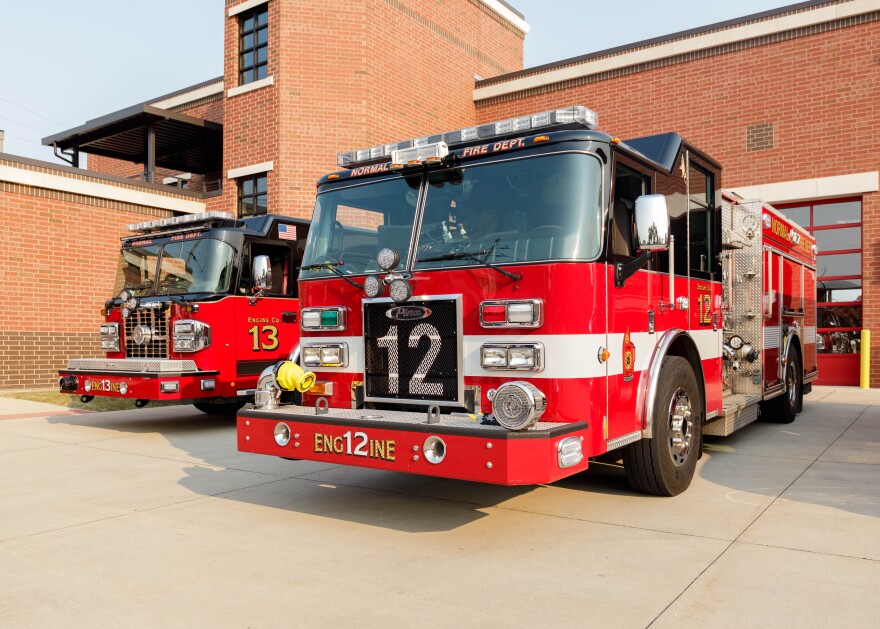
(408, 313)
(629, 357)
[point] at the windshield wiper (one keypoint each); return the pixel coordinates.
(330, 266)
(475, 256)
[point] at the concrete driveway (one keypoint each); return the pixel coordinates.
(151, 518)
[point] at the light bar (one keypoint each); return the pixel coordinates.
(577, 115)
(420, 153)
(173, 221)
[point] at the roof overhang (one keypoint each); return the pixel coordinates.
(182, 142)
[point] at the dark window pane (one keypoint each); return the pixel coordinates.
(247, 24)
(247, 42)
(262, 72)
(247, 60)
(247, 76)
(261, 204)
(262, 36)
(837, 213)
(263, 17)
(839, 264)
(262, 54)
(261, 184)
(800, 215)
(837, 239)
(247, 187)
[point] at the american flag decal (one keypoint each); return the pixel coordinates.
(287, 232)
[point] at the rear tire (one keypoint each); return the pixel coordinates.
(664, 465)
(225, 409)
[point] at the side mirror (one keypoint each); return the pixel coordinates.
(652, 222)
(262, 273)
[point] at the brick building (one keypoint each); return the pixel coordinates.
(785, 100)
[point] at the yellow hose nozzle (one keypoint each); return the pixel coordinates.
(292, 377)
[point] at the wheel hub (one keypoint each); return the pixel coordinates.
(680, 427)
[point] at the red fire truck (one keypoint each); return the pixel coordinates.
(519, 297)
(204, 302)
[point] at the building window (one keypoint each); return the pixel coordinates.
(837, 227)
(252, 195)
(253, 45)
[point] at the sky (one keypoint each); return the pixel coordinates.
(64, 62)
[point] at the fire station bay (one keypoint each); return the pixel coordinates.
(784, 101)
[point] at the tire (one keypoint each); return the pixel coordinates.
(226, 409)
(664, 465)
(785, 407)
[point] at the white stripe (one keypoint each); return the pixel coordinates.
(708, 343)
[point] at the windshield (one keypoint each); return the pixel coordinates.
(194, 266)
(528, 210)
(349, 226)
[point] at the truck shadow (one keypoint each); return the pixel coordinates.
(762, 459)
(213, 466)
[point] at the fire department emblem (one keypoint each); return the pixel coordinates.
(629, 357)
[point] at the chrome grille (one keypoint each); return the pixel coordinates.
(157, 320)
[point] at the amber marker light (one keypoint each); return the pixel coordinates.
(396, 166)
(434, 160)
(604, 354)
(332, 176)
(615, 140)
(541, 138)
(414, 162)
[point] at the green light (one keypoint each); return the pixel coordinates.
(329, 319)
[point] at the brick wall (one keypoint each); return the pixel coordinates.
(792, 107)
(57, 266)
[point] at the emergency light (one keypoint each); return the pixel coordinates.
(173, 221)
(399, 152)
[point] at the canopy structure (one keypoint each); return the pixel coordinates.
(147, 135)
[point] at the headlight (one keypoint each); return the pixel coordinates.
(373, 286)
(512, 356)
(282, 434)
(110, 337)
(325, 355)
(387, 259)
(191, 335)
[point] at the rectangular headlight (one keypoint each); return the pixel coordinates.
(110, 343)
(512, 356)
(325, 355)
(110, 329)
(191, 335)
(323, 319)
(493, 356)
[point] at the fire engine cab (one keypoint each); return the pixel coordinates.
(504, 302)
(204, 302)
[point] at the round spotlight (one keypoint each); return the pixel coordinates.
(518, 405)
(142, 334)
(388, 258)
(372, 286)
(132, 302)
(434, 449)
(124, 295)
(126, 312)
(400, 290)
(282, 434)
(123, 388)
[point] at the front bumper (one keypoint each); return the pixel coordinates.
(143, 385)
(394, 441)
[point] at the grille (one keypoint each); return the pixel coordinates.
(413, 356)
(157, 320)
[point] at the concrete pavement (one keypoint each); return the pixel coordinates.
(152, 518)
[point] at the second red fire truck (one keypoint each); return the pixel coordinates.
(503, 302)
(203, 303)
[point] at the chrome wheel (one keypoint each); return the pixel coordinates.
(680, 427)
(791, 384)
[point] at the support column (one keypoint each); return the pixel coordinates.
(150, 166)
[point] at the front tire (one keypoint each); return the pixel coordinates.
(786, 406)
(664, 465)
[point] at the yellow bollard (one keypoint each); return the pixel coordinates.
(865, 371)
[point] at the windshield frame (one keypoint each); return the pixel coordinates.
(410, 255)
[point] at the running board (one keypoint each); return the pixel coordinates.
(737, 411)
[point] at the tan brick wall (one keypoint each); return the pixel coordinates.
(819, 92)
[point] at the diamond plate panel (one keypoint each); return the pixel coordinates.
(125, 364)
